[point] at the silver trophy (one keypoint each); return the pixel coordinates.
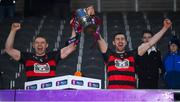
(87, 22)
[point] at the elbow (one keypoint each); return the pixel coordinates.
(143, 48)
(7, 49)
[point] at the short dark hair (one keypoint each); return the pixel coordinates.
(40, 36)
(119, 33)
(89, 5)
(175, 40)
(148, 31)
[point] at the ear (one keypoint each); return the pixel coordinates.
(33, 45)
(113, 43)
(47, 45)
(126, 43)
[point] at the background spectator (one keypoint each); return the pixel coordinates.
(172, 64)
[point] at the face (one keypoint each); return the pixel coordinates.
(90, 10)
(120, 42)
(173, 47)
(146, 37)
(40, 46)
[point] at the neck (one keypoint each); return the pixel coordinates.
(40, 54)
(174, 52)
(120, 51)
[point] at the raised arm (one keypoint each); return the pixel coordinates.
(14, 53)
(145, 46)
(101, 42)
(68, 49)
(102, 45)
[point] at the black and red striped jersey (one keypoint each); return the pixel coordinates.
(40, 67)
(120, 69)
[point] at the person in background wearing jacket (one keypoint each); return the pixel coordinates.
(172, 64)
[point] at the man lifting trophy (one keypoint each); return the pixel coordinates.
(84, 20)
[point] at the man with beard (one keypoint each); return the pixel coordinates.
(121, 63)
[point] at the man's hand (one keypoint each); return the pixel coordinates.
(167, 23)
(15, 26)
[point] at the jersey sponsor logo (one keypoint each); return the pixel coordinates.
(121, 63)
(41, 68)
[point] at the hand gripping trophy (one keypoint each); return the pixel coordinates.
(85, 21)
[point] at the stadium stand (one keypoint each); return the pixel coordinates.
(58, 31)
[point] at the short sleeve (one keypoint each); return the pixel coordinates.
(55, 55)
(135, 54)
(106, 55)
(23, 57)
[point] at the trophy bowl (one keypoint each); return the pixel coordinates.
(87, 22)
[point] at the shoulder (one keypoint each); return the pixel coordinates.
(109, 51)
(178, 53)
(53, 52)
(158, 51)
(167, 56)
(26, 54)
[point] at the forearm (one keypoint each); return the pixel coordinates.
(71, 48)
(102, 45)
(10, 40)
(73, 33)
(67, 50)
(157, 36)
(145, 46)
